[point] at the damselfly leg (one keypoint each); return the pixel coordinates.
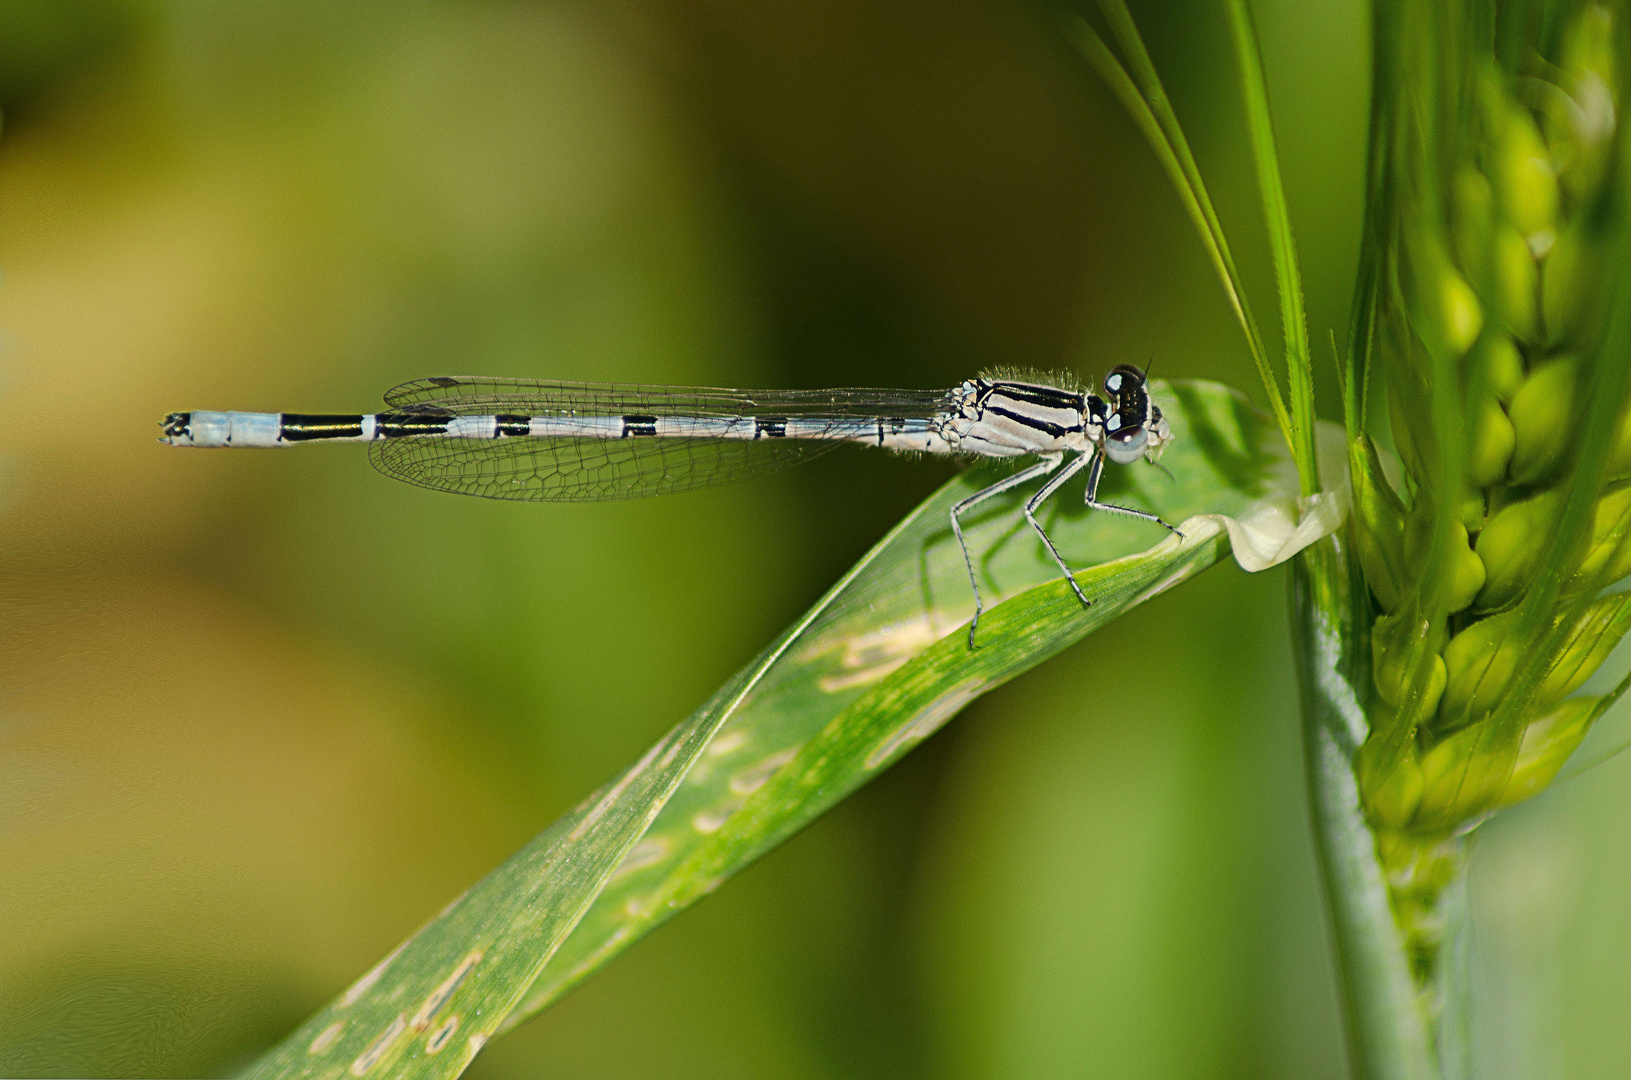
(1094, 503)
(1024, 476)
(1038, 499)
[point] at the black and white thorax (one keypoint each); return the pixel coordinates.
(994, 417)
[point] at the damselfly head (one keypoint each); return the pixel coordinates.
(1123, 379)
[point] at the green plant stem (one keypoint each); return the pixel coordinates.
(1387, 1035)
(1455, 977)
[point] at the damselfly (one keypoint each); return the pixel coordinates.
(577, 442)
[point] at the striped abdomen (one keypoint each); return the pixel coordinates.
(263, 430)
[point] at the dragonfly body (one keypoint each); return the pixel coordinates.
(543, 441)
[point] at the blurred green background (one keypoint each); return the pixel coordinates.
(261, 714)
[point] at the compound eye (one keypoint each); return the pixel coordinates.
(1123, 446)
(1123, 377)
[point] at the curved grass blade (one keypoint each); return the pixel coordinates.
(1277, 216)
(1145, 99)
(875, 667)
(1139, 89)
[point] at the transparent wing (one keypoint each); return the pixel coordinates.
(475, 396)
(573, 469)
(581, 470)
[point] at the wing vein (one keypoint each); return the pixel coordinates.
(578, 469)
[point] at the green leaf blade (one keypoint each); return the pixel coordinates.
(874, 668)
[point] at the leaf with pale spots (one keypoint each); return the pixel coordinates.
(879, 664)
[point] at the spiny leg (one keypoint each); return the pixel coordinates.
(993, 549)
(1030, 515)
(1041, 468)
(1094, 503)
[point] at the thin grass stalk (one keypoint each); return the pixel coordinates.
(1142, 94)
(1277, 217)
